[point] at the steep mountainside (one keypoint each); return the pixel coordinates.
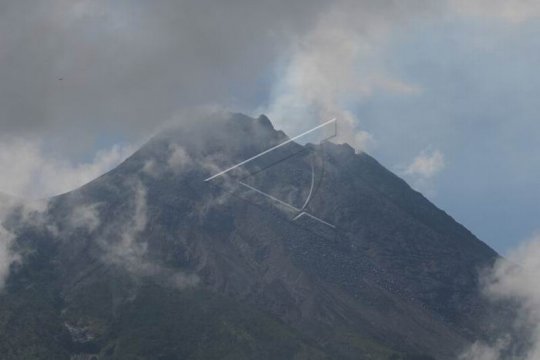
(152, 262)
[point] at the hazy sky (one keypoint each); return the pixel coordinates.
(444, 93)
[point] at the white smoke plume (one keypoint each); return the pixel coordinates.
(7, 256)
(515, 279)
(330, 58)
(29, 172)
(29, 213)
(426, 164)
(125, 245)
(423, 169)
(178, 161)
(127, 249)
(179, 158)
(336, 65)
(85, 217)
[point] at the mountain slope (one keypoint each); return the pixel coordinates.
(152, 262)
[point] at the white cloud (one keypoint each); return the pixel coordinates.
(128, 250)
(178, 159)
(426, 165)
(124, 244)
(516, 279)
(85, 217)
(7, 256)
(481, 351)
(30, 213)
(363, 140)
(334, 58)
(338, 63)
(28, 172)
(423, 169)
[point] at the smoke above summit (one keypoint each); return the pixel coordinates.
(82, 77)
(87, 67)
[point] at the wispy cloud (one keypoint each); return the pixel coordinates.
(423, 169)
(515, 279)
(125, 243)
(426, 165)
(179, 159)
(335, 65)
(84, 216)
(29, 172)
(7, 255)
(28, 213)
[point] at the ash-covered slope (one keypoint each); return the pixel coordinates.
(152, 262)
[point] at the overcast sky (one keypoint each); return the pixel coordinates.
(444, 93)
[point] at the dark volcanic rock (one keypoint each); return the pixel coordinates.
(150, 261)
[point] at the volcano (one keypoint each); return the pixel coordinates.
(150, 261)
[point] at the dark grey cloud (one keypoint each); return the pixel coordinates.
(79, 76)
(84, 67)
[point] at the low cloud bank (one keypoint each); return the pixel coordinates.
(29, 172)
(29, 213)
(515, 279)
(79, 70)
(123, 239)
(7, 256)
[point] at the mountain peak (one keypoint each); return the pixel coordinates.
(265, 121)
(326, 250)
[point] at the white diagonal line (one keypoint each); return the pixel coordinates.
(312, 185)
(302, 213)
(269, 196)
(269, 150)
(314, 218)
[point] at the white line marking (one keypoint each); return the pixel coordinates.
(269, 196)
(269, 150)
(314, 218)
(312, 185)
(302, 213)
